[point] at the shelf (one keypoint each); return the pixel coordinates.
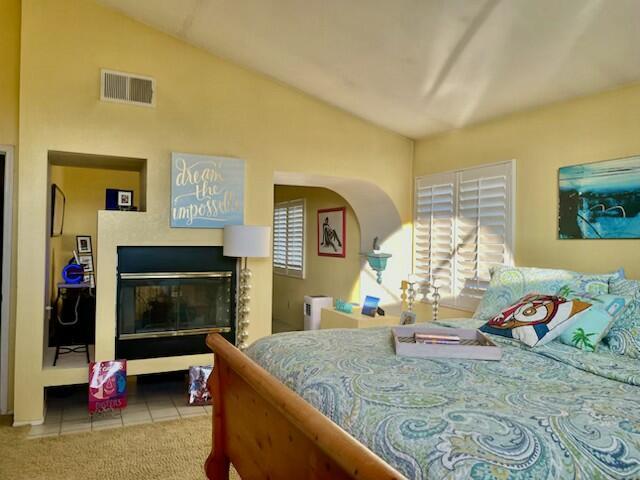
(75, 370)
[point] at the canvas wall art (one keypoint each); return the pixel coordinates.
(206, 191)
(600, 200)
(332, 231)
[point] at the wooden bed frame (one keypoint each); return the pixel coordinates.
(269, 432)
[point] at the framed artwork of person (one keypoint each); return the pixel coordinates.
(332, 232)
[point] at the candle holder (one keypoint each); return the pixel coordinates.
(435, 306)
(411, 296)
(425, 289)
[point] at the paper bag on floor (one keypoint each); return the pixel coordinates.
(198, 392)
(107, 385)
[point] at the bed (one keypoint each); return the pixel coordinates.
(548, 413)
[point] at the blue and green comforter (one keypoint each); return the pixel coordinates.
(551, 413)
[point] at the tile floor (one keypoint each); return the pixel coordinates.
(155, 402)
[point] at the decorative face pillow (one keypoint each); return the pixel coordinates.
(536, 319)
(588, 330)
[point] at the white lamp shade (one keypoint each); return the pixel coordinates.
(247, 241)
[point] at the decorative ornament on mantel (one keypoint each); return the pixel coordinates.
(377, 260)
(243, 241)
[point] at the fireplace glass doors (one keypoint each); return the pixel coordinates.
(172, 304)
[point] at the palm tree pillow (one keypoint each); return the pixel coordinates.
(536, 319)
(592, 326)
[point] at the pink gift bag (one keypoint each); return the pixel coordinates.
(107, 385)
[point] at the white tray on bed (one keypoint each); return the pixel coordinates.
(473, 344)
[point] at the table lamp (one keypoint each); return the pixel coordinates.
(244, 241)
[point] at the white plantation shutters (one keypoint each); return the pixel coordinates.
(463, 227)
(484, 237)
(288, 238)
(434, 230)
(280, 236)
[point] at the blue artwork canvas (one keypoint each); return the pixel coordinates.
(206, 191)
(600, 200)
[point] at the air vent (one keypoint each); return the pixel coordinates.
(127, 88)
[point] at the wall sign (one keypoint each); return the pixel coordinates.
(206, 191)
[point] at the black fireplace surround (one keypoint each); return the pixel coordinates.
(169, 298)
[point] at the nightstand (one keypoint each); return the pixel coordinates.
(331, 318)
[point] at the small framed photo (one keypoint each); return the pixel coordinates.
(370, 306)
(89, 279)
(83, 244)
(407, 318)
(86, 261)
(125, 199)
(332, 231)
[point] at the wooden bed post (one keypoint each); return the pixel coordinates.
(217, 464)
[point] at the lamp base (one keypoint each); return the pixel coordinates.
(243, 306)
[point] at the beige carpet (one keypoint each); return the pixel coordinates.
(166, 450)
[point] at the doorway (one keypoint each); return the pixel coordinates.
(6, 213)
(374, 215)
(300, 269)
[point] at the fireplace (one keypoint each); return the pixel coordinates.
(170, 298)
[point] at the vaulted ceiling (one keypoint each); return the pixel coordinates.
(417, 66)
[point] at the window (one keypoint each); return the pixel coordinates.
(288, 238)
(463, 227)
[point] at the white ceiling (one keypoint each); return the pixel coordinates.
(417, 66)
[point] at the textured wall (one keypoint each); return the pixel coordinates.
(584, 130)
(204, 105)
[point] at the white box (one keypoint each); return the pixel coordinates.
(313, 304)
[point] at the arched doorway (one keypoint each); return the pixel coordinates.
(375, 216)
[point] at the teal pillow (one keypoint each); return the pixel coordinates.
(509, 284)
(624, 336)
(590, 328)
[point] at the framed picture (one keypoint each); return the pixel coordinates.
(86, 260)
(407, 318)
(332, 231)
(600, 200)
(90, 279)
(125, 198)
(116, 199)
(83, 244)
(370, 306)
(58, 201)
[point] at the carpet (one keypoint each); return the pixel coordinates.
(168, 450)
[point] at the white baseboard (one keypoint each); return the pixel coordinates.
(28, 422)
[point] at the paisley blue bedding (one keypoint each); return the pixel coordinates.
(553, 412)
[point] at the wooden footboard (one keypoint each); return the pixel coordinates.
(269, 432)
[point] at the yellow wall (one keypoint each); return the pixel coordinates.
(84, 189)
(333, 276)
(10, 71)
(204, 105)
(584, 130)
